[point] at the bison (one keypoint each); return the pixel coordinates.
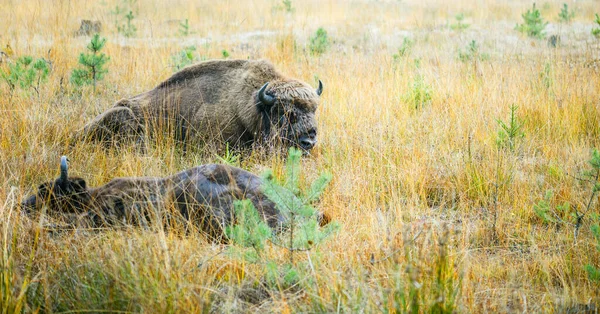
(235, 101)
(203, 196)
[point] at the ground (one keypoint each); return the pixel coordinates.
(436, 209)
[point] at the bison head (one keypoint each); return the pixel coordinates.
(65, 195)
(288, 112)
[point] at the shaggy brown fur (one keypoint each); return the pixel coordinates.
(217, 100)
(203, 196)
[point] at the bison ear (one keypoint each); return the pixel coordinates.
(266, 101)
(320, 88)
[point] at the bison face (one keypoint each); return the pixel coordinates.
(66, 195)
(288, 112)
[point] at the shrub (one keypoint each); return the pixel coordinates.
(250, 235)
(184, 28)
(565, 14)
(26, 73)
(184, 58)
(419, 93)
(93, 69)
(510, 131)
(533, 23)
(572, 215)
(124, 18)
(319, 42)
(405, 49)
(459, 25)
(472, 53)
(596, 30)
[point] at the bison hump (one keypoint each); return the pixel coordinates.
(207, 68)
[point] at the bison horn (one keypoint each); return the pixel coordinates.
(320, 88)
(64, 168)
(264, 97)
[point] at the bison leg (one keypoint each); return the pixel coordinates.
(114, 126)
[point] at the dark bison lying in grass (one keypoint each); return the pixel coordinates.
(202, 196)
(236, 101)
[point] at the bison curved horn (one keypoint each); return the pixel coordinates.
(64, 168)
(264, 97)
(320, 88)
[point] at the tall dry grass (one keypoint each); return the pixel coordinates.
(430, 207)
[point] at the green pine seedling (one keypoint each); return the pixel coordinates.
(533, 23)
(250, 231)
(459, 25)
(565, 15)
(472, 53)
(319, 42)
(26, 73)
(404, 49)
(184, 28)
(184, 58)
(593, 271)
(510, 131)
(92, 64)
(596, 30)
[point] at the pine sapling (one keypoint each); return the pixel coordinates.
(26, 73)
(533, 23)
(93, 63)
(596, 30)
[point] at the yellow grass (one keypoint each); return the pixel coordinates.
(405, 179)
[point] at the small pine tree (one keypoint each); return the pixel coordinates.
(302, 231)
(404, 50)
(184, 58)
(26, 73)
(184, 28)
(250, 231)
(565, 14)
(533, 23)
(319, 42)
(93, 64)
(295, 205)
(593, 271)
(510, 131)
(459, 25)
(596, 30)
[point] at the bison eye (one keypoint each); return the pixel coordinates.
(291, 117)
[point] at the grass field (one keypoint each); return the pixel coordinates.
(436, 206)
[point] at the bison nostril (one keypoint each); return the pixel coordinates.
(307, 142)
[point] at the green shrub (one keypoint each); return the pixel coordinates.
(250, 235)
(472, 53)
(459, 25)
(566, 15)
(92, 64)
(26, 73)
(405, 49)
(124, 18)
(510, 131)
(593, 271)
(419, 93)
(319, 42)
(596, 30)
(533, 23)
(184, 58)
(184, 28)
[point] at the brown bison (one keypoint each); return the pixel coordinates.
(203, 196)
(236, 101)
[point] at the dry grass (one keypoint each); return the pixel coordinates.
(405, 179)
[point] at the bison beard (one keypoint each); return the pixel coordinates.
(241, 102)
(200, 198)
